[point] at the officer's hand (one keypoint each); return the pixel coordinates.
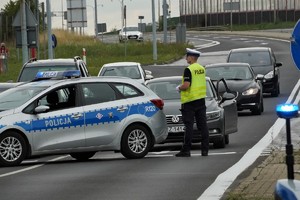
(177, 88)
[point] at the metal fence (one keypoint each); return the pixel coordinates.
(218, 12)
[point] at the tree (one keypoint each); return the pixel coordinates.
(7, 16)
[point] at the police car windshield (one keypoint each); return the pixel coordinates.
(15, 97)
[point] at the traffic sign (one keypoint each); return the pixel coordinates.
(54, 41)
(295, 45)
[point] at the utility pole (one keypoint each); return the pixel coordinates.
(96, 19)
(122, 13)
(24, 33)
(49, 23)
(154, 32)
(165, 25)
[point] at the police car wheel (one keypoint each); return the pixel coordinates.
(136, 142)
(82, 156)
(12, 149)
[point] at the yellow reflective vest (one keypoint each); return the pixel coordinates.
(197, 89)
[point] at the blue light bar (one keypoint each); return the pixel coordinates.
(287, 111)
(57, 74)
(45, 75)
(71, 73)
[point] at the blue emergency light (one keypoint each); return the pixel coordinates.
(287, 189)
(287, 111)
(57, 74)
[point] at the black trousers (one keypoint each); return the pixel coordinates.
(194, 110)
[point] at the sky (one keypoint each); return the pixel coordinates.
(109, 12)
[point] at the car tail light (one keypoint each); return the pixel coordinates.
(159, 103)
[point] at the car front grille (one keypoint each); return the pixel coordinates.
(132, 37)
(174, 119)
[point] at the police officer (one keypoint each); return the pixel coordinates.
(193, 93)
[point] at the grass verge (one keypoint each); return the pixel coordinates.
(98, 53)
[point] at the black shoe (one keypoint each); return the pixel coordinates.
(183, 154)
(204, 153)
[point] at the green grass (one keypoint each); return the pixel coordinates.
(97, 53)
(263, 26)
(71, 44)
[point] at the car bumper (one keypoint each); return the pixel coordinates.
(176, 131)
(248, 102)
(132, 37)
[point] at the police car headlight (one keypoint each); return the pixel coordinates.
(213, 115)
(250, 91)
(269, 75)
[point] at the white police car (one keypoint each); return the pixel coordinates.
(79, 116)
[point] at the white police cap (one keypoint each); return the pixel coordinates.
(192, 52)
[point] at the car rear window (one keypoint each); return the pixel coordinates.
(125, 71)
(257, 58)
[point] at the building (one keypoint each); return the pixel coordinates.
(203, 13)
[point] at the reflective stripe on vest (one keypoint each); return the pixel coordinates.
(197, 89)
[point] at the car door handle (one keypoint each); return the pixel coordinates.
(122, 109)
(77, 115)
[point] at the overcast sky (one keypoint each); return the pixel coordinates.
(109, 12)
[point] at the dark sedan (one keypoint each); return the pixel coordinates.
(221, 112)
(241, 78)
(263, 61)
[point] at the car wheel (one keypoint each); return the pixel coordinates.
(262, 108)
(226, 139)
(276, 92)
(136, 142)
(219, 142)
(82, 156)
(258, 109)
(13, 149)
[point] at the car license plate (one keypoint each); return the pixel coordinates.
(176, 129)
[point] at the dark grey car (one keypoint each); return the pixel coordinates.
(221, 112)
(239, 77)
(263, 61)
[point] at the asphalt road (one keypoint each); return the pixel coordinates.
(160, 175)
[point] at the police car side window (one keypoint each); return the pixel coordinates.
(128, 90)
(94, 93)
(62, 98)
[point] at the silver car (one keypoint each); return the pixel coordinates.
(221, 112)
(79, 116)
(130, 33)
(132, 70)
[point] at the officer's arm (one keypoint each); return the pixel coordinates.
(185, 85)
(187, 80)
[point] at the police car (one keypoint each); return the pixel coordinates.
(79, 116)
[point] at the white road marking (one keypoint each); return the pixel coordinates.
(224, 180)
(32, 167)
(170, 153)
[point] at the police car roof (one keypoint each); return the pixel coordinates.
(121, 64)
(53, 82)
(52, 62)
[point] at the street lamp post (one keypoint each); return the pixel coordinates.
(96, 19)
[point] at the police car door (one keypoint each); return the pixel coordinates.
(105, 113)
(62, 126)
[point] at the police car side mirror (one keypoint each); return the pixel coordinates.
(41, 109)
